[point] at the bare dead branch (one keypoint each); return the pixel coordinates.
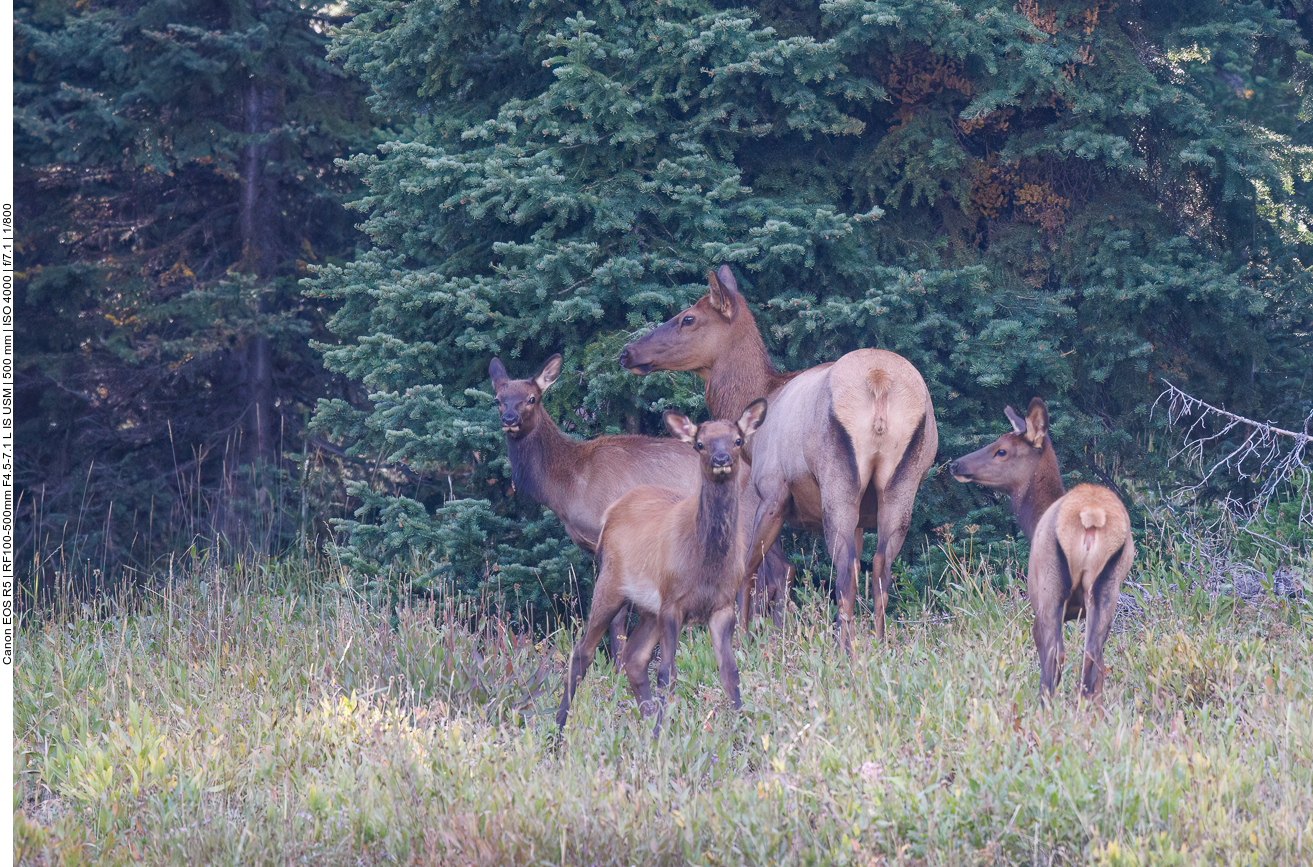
(1270, 456)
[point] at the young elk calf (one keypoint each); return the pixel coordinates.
(677, 559)
(1080, 541)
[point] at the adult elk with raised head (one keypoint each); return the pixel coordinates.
(1080, 541)
(577, 479)
(677, 559)
(846, 447)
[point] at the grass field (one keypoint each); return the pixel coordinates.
(266, 716)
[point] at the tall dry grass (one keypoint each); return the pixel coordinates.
(263, 714)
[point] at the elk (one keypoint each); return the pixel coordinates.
(677, 559)
(576, 479)
(1080, 541)
(847, 445)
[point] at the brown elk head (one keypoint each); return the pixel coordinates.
(519, 401)
(1011, 461)
(691, 339)
(719, 443)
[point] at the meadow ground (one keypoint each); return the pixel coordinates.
(254, 716)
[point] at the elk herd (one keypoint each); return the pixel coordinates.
(685, 528)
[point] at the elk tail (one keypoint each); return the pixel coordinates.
(879, 382)
(1093, 519)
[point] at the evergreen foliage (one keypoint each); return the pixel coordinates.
(174, 174)
(1068, 199)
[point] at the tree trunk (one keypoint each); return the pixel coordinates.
(258, 258)
(255, 388)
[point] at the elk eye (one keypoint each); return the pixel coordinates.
(532, 400)
(1001, 453)
(738, 441)
(697, 446)
(687, 320)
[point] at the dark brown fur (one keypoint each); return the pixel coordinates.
(846, 448)
(677, 559)
(1080, 541)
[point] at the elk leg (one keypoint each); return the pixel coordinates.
(1047, 631)
(721, 627)
(619, 633)
(752, 579)
(893, 518)
(892, 526)
(839, 520)
(668, 627)
(1100, 610)
(858, 540)
(777, 574)
(642, 641)
(766, 525)
(746, 594)
(769, 585)
(772, 577)
(581, 657)
(1098, 622)
(1049, 587)
(1048, 641)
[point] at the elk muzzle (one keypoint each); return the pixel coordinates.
(629, 361)
(959, 470)
(722, 463)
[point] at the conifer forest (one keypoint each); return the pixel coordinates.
(269, 248)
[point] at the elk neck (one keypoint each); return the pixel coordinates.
(1030, 501)
(541, 462)
(718, 518)
(742, 373)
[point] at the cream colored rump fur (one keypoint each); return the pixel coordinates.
(659, 512)
(879, 397)
(1091, 524)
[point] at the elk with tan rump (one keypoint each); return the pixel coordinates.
(677, 559)
(1080, 542)
(577, 479)
(846, 447)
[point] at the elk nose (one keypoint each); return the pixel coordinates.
(721, 459)
(624, 356)
(510, 418)
(952, 468)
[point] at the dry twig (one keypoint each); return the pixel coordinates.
(1266, 454)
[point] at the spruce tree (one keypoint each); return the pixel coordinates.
(175, 177)
(1066, 199)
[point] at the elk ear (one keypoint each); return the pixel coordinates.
(726, 278)
(1018, 423)
(719, 293)
(497, 371)
(679, 426)
(551, 370)
(752, 417)
(1037, 422)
